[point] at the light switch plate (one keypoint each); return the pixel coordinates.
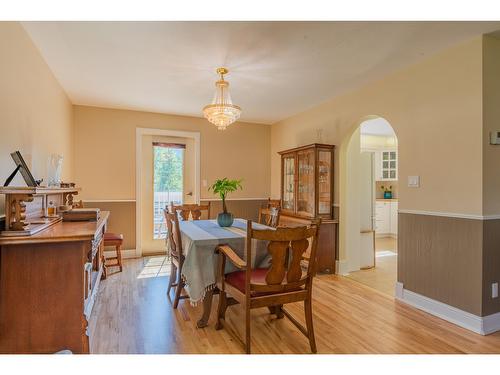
(414, 181)
(494, 290)
(204, 183)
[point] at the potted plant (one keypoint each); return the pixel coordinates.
(223, 187)
(387, 191)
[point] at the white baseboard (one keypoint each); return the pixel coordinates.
(491, 323)
(482, 325)
(126, 254)
(341, 267)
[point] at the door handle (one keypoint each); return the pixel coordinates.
(190, 193)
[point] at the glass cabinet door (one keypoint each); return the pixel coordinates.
(289, 183)
(389, 165)
(306, 185)
(324, 182)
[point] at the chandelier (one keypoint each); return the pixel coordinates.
(222, 112)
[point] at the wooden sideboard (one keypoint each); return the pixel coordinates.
(326, 252)
(48, 284)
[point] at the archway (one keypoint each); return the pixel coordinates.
(369, 193)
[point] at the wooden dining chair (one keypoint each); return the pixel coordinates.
(269, 216)
(193, 211)
(283, 282)
(177, 257)
(110, 239)
(276, 203)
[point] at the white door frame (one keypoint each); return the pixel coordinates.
(139, 133)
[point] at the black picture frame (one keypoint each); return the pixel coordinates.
(23, 168)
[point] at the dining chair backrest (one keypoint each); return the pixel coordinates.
(193, 211)
(269, 216)
(287, 247)
(276, 203)
(174, 234)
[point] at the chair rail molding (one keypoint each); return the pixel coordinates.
(450, 214)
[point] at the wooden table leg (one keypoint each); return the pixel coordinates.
(207, 307)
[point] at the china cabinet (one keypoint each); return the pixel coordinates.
(307, 181)
(307, 193)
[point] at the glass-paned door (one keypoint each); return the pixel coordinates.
(305, 187)
(168, 171)
(324, 182)
(289, 183)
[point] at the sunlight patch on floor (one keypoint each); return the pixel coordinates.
(157, 266)
(385, 253)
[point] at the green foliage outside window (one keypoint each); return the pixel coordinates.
(168, 169)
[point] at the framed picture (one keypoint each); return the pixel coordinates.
(23, 168)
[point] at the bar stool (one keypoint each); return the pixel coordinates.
(116, 240)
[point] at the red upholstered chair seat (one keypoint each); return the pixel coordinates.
(237, 280)
(113, 237)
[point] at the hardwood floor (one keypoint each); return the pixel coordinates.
(384, 276)
(133, 315)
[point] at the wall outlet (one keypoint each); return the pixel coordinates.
(414, 181)
(495, 138)
(494, 290)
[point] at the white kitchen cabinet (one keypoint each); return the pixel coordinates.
(386, 165)
(382, 217)
(386, 218)
(394, 218)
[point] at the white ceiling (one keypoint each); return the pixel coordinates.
(377, 126)
(277, 69)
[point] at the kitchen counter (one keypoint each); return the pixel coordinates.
(386, 200)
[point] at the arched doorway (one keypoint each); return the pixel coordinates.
(370, 202)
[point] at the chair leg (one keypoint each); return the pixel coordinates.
(309, 324)
(173, 274)
(221, 309)
(276, 310)
(178, 291)
(279, 312)
(247, 323)
(119, 256)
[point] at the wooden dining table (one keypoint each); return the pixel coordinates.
(199, 240)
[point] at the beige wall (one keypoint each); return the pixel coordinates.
(35, 113)
(241, 151)
(105, 157)
(442, 110)
(491, 122)
(435, 108)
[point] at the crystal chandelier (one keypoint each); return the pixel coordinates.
(222, 112)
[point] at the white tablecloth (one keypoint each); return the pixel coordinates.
(199, 239)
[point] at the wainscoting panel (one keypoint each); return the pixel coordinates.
(491, 265)
(121, 219)
(441, 258)
(246, 209)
